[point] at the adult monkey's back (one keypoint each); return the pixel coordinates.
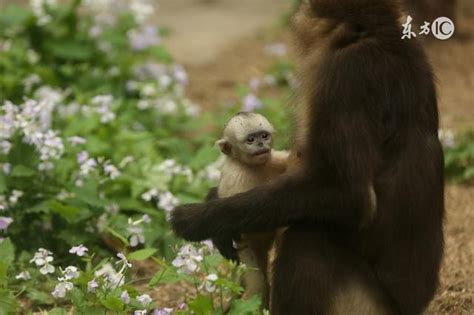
(368, 117)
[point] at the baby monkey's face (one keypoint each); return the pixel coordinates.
(256, 148)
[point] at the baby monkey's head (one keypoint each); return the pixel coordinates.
(247, 138)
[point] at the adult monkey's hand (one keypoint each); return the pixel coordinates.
(190, 222)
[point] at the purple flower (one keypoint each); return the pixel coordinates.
(144, 38)
(251, 102)
(5, 222)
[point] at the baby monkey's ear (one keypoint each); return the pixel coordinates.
(224, 146)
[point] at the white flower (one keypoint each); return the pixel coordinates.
(126, 160)
(74, 141)
(163, 311)
(111, 171)
(254, 84)
(7, 168)
(187, 259)
(103, 105)
(209, 245)
(43, 258)
(24, 275)
(146, 218)
(82, 157)
(180, 75)
(447, 138)
(112, 208)
(137, 236)
(79, 250)
(144, 37)
(144, 299)
(124, 262)
(251, 102)
(125, 297)
(16, 194)
(62, 288)
(209, 284)
(87, 167)
(47, 269)
(149, 195)
(140, 312)
(141, 10)
(70, 273)
(92, 286)
(39, 10)
(112, 277)
(5, 223)
(167, 201)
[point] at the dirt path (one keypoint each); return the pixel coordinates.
(216, 65)
(202, 29)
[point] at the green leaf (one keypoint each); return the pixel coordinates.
(202, 305)
(167, 275)
(8, 303)
(7, 255)
(57, 311)
(113, 303)
(40, 297)
(69, 213)
(3, 183)
(22, 171)
(117, 235)
(70, 50)
(7, 252)
(13, 16)
(142, 254)
(246, 307)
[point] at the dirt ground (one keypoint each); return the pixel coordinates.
(239, 56)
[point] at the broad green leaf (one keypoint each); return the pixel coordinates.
(3, 273)
(7, 255)
(142, 254)
(58, 311)
(117, 235)
(40, 297)
(246, 307)
(13, 16)
(202, 305)
(8, 302)
(69, 213)
(7, 252)
(70, 50)
(22, 171)
(167, 275)
(113, 303)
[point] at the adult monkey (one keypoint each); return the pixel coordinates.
(368, 115)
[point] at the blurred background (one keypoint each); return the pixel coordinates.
(109, 113)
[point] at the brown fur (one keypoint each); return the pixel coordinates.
(371, 116)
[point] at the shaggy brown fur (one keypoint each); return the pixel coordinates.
(368, 114)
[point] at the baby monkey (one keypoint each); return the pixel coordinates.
(250, 161)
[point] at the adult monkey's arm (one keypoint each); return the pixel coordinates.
(334, 187)
(225, 244)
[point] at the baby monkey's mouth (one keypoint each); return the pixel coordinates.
(261, 152)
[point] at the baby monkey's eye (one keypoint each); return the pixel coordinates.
(265, 135)
(250, 139)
